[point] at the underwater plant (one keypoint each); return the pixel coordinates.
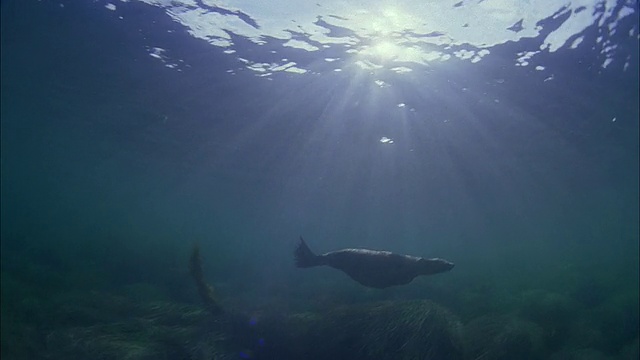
(581, 354)
(503, 337)
(204, 289)
(132, 330)
(399, 330)
(548, 308)
(554, 312)
(408, 330)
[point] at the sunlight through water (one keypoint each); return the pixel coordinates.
(384, 34)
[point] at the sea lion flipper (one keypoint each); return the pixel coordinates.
(304, 257)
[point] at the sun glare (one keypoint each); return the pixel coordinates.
(385, 50)
(387, 30)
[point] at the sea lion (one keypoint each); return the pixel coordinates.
(372, 268)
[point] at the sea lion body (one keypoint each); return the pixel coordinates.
(372, 268)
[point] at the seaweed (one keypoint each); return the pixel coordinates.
(503, 337)
(204, 289)
(402, 330)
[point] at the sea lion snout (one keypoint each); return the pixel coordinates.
(435, 266)
(447, 264)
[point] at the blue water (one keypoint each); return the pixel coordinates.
(133, 130)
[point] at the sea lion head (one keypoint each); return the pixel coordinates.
(434, 266)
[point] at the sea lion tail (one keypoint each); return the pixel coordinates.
(305, 257)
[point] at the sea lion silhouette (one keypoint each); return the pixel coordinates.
(372, 268)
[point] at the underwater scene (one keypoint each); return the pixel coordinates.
(321, 180)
